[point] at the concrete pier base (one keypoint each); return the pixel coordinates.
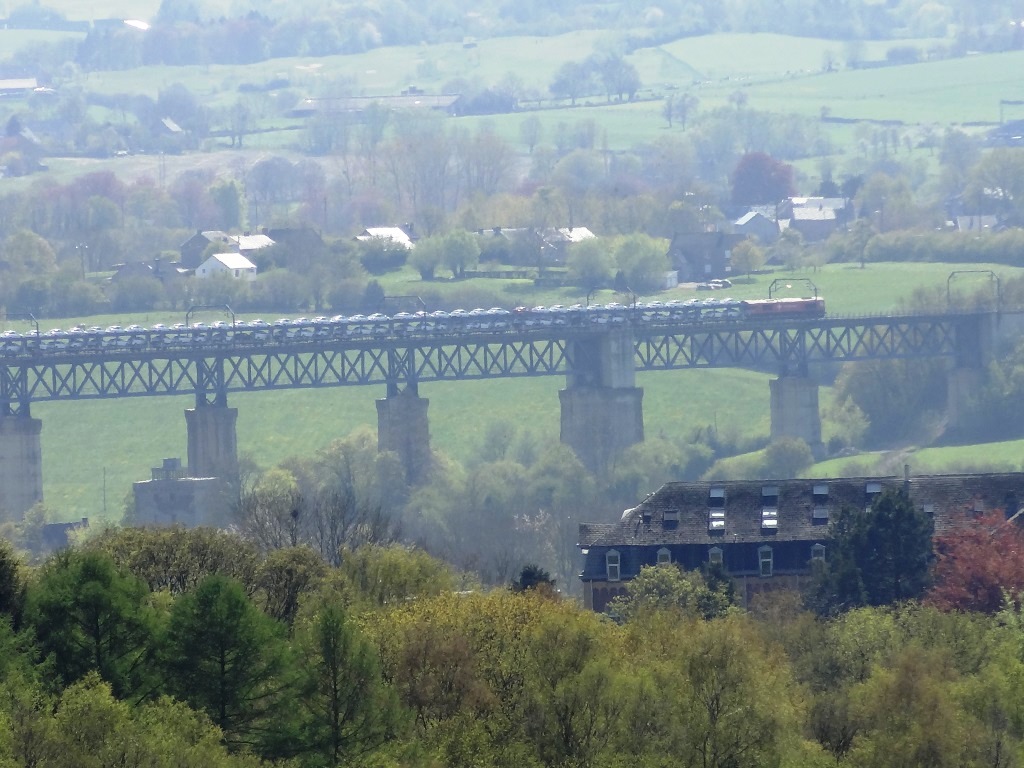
(21, 465)
(212, 442)
(963, 386)
(403, 427)
(599, 423)
(795, 413)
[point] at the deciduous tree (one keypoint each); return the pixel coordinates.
(590, 263)
(571, 81)
(759, 179)
(669, 588)
(978, 565)
(747, 257)
(643, 261)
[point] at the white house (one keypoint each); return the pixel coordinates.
(231, 264)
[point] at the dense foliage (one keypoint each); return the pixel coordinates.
(385, 665)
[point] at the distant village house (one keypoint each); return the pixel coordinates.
(232, 264)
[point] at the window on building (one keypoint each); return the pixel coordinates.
(716, 520)
(716, 497)
(769, 495)
(818, 553)
(819, 510)
(671, 516)
(612, 563)
(820, 494)
(664, 557)
(764, 556)
(715, 556)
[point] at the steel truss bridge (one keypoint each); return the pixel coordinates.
(211, 371)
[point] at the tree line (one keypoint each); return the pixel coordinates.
(170, 646)
(187, 33)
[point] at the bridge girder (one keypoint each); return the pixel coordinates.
(402, 364)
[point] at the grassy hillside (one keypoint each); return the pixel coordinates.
(711, 68)
(85, 443)
(1006, 456)
(948, 91)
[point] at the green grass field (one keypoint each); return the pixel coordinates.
(14, 40)
(1005, 456)
(87, 445)
(777, 73)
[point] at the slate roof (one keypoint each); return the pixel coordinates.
(209, 235)
(951, 499)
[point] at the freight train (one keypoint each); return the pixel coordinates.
(403, 324)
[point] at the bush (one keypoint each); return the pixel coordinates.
(136, 294)
(379, 256)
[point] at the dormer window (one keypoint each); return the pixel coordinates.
(820, 492)
(764, 557)
(612, 565)
(716, 497)
(872, 489)
(818, 553)
(769, 507)
(664, 557)
(715, 556)
(819, 509)
(716, 520)
(671, 516)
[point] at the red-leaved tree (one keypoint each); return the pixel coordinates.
(761, 179)
(977, 565)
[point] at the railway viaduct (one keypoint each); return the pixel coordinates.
(601, 406)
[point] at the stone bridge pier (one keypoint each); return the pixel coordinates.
(795, 412)
(21, 464)
(974, 344)
(212, 442)
(602, 408)
(402, 427)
